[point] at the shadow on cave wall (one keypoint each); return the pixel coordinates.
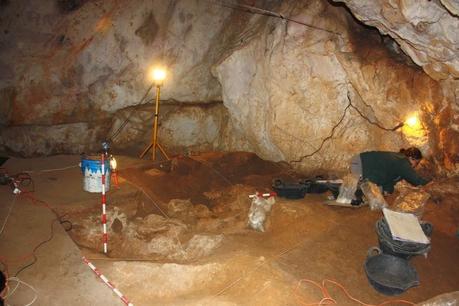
(67, 6)
(367, 37)
(4, 3)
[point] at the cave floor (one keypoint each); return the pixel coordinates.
(198, 250)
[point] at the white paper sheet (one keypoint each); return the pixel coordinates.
(405, 227)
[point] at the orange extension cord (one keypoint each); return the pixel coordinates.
(328, 300)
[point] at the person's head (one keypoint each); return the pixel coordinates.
(413, 154)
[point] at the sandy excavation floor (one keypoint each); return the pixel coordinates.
(178, 235)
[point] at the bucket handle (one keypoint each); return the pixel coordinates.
(373, 251)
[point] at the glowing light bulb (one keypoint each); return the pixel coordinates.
(113, 163)
(158, 74)
(413, 121)
(413, 127)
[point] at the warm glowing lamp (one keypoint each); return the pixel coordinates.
(413, 121)
(413, 127)
(113, 163)
(113, 166)
(157, 75)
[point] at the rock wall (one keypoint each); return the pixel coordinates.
(68, 62)
(312, 90)
(427, 32)
(303, 82)
(183, 128)
(70, 66)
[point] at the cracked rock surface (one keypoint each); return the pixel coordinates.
(310, 90)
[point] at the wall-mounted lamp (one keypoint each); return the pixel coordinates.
(413, 122)
(413, 127)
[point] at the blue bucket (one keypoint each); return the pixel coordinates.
(92, 175)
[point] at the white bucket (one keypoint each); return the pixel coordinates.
(92, 175)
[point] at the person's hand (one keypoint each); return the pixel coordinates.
(428, 187)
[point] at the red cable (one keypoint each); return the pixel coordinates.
(328, 300)
(19, 259)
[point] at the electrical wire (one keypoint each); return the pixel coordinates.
(245, 8)
(375, 123)
(36, 248)
(265, 262)
(50, 170)
(328, 300)
(20, 282)
(208, 165)
(259, 11)
(148, 196)
(40, 203)
(125, 122)
(332, 132)
(8, 215)
(10, 292)
(23, 179)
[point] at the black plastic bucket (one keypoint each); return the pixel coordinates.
(388, 274)
(401, 248)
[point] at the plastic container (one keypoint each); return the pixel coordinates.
(398, 248)
(388, 274)
(290, 190)
(92, 175)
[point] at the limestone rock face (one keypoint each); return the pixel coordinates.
(70, 66)
(290, 90)
(182, 128)
(313, 89)
(427, 31)
(423, 29)
(74, 138)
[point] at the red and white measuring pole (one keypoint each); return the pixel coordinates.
(104, 212)
(266, 195)
(107, 282)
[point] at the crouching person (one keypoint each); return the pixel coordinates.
(381, 170)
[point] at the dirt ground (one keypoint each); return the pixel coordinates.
(178, 235)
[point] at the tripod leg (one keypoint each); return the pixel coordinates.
(146, 150)
(162, 151)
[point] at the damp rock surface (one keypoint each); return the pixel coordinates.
(311, 90)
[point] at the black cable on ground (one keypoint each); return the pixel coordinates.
(69, 225)
(45, 241)
(36, 248)
(25, 179)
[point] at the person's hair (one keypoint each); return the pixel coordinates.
(412, 152)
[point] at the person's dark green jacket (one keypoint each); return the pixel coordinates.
(385, 169)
